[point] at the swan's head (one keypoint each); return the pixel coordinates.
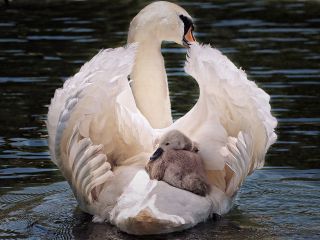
(162, 21)
(175, 140)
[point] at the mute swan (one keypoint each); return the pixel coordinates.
(102, 131)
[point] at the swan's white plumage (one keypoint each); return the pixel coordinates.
(101, 141)
(89, 168)
(65, 99)
(228, 103)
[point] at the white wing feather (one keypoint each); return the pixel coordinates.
(231, 121)
(93, 119)
(65, 98)
(89, 168)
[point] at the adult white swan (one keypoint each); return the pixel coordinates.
(102, 131)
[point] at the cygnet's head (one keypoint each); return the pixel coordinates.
(174, 140)
(162, 21)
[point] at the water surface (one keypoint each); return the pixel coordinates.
(276, 42)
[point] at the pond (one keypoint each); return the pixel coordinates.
(42, 43)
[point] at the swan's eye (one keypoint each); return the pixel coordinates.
(167, 144)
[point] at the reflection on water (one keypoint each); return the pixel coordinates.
(276, 42)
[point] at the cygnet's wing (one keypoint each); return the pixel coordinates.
(93, 121)
(231, 121)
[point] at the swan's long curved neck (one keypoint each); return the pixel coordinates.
(150, 85)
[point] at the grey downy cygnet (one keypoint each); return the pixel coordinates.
(177, 162)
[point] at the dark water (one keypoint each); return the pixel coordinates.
(276, 42)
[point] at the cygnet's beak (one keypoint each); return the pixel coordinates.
(188, 38)
(156, 154)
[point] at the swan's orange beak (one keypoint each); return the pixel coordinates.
(188, 38)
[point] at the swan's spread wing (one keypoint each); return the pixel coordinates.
(94, 119)
(231, 121)
(116, 63)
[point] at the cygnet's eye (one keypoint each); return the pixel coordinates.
(167, 144)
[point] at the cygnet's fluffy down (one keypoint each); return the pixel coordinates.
(176, 162)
